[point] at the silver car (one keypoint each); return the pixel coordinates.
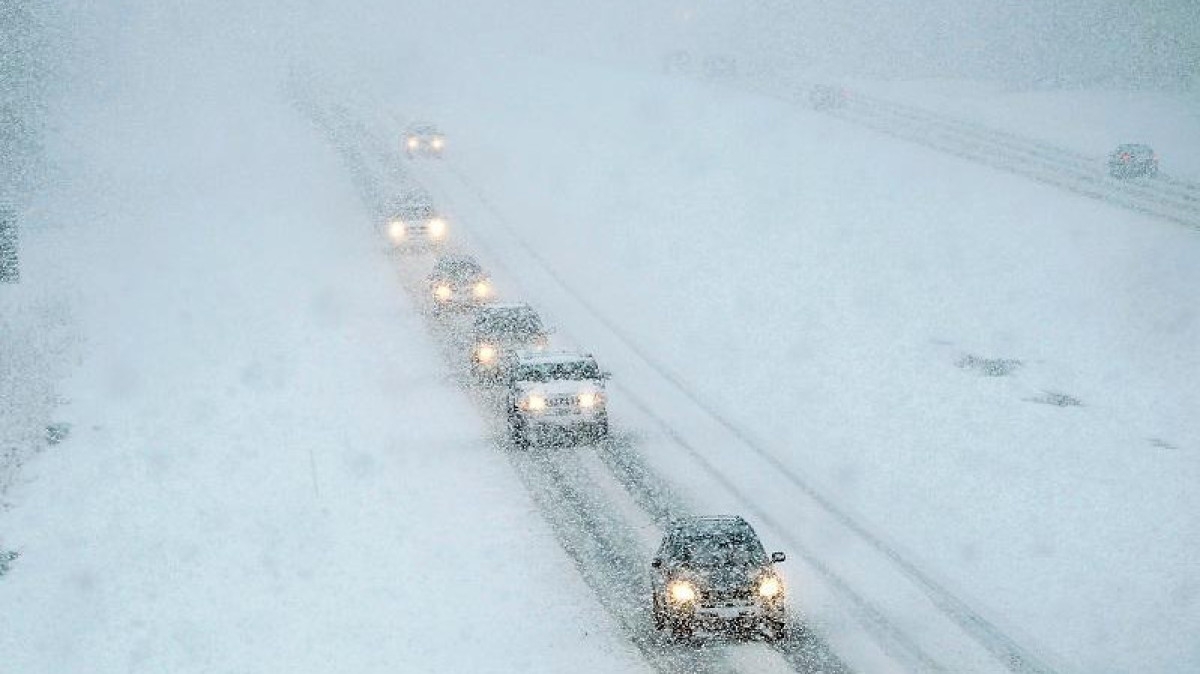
(557, 395)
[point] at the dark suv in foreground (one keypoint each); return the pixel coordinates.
(712, 573)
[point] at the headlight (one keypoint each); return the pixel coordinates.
(437, 228)
(397, 230)
(443, 292)
(437, 143)
(540, 343)
(481, 289)
(770, 587)
(681, 592)
(535, 403)
(589, 400)
(486, 353)
(413, 142)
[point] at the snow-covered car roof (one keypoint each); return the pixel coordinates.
(551, 357)
(709, 524)
(456, 266)
(423, 128)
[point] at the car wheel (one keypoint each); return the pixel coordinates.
(776, 630)
(518, 431)
(602, 428)
(681, 629)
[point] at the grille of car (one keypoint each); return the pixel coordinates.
(740, 594)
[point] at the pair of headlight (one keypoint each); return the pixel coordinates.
(683, 592)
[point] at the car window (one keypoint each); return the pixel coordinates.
(714, 550)
(579, 370)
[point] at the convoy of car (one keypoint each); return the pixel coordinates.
(710, 574)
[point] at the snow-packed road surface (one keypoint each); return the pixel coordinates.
(269, 469)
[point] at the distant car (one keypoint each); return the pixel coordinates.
(1133, 160)
(499, 330)
(678, 62)
(457, 281)
(424, 139)
(719, 67)
(560, 393)
(827, 97)
(712, 573)
(413, 224)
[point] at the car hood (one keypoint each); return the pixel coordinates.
(722, 578)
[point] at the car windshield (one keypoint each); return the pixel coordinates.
(721, 549)
(508, 323)
(413, 210)
(576, 370)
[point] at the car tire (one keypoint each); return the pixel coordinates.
(775, 630)
(601, 430)
(681, 629)
(518, 431)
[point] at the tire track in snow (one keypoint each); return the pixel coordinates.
(1165, 197)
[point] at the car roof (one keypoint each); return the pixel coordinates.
(422, 127)
(563, 356)
(709, 524)
(456, 260)
(1133, 146)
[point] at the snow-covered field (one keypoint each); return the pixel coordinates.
(929, 382)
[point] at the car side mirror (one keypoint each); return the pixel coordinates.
(777, 557)
(657, 563)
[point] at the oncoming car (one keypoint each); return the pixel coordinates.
(499, 330)
(826, 97)
(1133, 160)
(560, 393)
(457, 281)
(413, 224)
(712, 573)
(424, 139)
